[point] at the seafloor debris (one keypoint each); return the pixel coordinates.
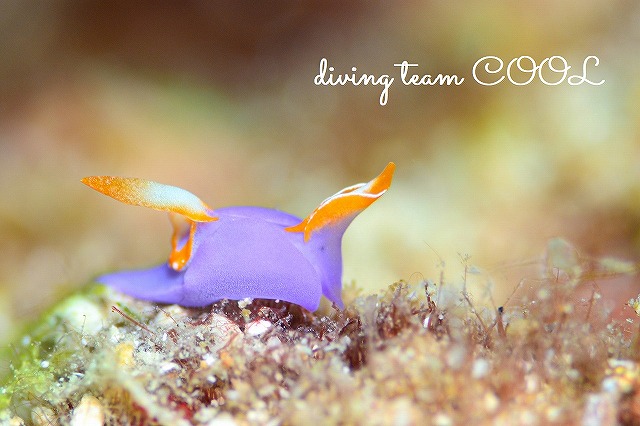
(413, 355)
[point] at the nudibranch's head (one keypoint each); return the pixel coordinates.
(242, 252)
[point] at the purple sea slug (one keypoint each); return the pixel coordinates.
(242, 252)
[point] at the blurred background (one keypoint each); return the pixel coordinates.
(218, 98)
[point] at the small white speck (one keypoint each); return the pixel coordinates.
(480, 368)
(88, 413)
(244, 302)
(170, 366)
(610, 385)
(442, 420)
(456, 357)
(44, 364)
(425, 323)
(257, 328)
(209, 359)
(273, 342)
(26, 340)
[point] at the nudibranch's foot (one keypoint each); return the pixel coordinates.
(160, 284)
(334, 295)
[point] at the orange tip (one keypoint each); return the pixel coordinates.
(346, 204)
(154, 195)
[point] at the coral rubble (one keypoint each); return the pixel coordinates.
(413, 355)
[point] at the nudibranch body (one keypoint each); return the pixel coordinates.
(242, 252)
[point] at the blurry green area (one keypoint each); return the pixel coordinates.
(220, 100)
